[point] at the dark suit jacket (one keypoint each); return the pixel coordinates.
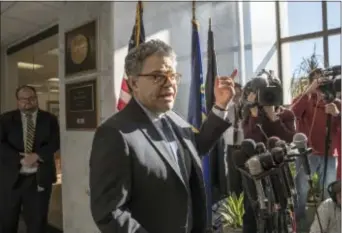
(134, 185)
(46, 143)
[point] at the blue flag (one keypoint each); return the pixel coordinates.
(197, 108)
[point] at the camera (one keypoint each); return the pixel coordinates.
(330, 85)
(270, 93)
(270, 96)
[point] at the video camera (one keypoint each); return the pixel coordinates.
(271, 93)
(330, 84)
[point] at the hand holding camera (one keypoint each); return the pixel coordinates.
(251, 99)
(332, 109)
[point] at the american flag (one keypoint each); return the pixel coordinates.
(137, 37)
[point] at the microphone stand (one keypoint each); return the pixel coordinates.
(326, 151)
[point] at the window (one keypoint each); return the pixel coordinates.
(293, 55)
(334, 14)
(300, 18)
(334, 50)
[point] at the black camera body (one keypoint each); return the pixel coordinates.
(330, 85)
(270, 96)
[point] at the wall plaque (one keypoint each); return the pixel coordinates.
(80, 49)
(81, 105)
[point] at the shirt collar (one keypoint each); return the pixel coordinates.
(151, 115)
(34, 114)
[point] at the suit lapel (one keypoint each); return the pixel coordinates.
(183, 134)
(152, 135)
(19, 123)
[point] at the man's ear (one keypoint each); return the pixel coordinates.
(131, 82)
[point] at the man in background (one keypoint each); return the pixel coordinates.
(329, 211)
(29, 137)
(311, 111)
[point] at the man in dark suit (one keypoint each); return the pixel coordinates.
(145, 166)
(29, 137)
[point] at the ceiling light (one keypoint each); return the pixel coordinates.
(35, 85)
(29, 66)
(53, 79)
(54, 52)
(54, 90)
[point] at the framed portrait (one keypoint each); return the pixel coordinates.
(81, 49)
(81, 105)
(53, 107)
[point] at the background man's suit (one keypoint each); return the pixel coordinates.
(136, 187)
(17, 189)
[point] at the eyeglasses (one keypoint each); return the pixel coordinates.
(29, 99)
(161, 78)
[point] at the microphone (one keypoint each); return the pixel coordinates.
(254, 166)
(300, 140)
(287, 170)
(271, 142)
(260, 148)
(239, 160)
(278, 157)
(275, 179)
(248, 147)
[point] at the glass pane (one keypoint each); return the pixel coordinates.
(297, 60)
(295, 22)
(334, 14)
(334, 50)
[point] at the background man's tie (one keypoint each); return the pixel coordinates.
(30, 133)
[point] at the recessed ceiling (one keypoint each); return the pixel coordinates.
(38, 64)
(20, 20)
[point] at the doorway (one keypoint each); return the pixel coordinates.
(36, 65)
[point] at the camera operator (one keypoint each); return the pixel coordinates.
(263, 120)
(311, 111)
(329, 211)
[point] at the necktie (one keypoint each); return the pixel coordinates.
(167, 131)
(30, 132)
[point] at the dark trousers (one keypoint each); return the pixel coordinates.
(24, 197)
(249, 221)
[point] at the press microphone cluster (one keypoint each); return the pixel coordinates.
(268, 182)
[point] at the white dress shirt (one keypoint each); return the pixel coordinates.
(25, 169)
(330, 218)
(228, 135)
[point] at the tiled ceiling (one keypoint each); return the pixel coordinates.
(23, 19)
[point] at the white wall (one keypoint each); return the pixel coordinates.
(76, 145)
(44, 97)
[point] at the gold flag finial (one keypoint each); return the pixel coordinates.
(194, 10)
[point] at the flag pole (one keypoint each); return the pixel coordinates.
(193, 10)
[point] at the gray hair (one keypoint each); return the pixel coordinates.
(135, 59)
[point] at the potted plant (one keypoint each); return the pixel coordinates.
(232, 211)
(314, 194)
(300, 80)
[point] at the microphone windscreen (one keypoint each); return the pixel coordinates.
(266, 161)
(239, 159)
(254, 166)
(277, 155)
(260, 148)
(300, 140)
(248, 147)
(271, 142)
